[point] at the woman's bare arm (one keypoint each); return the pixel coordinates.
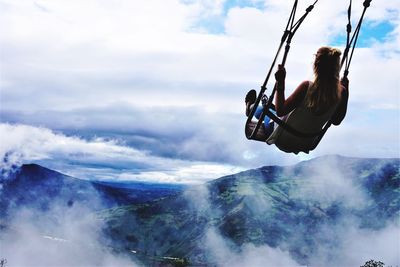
(285, 106)
(342, 108)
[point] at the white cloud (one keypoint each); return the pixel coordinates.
(250, 255)
(60, 236)
(362, 245)
(26, 143)
(73, 155)
(347, 244)
(328, 183)
(67, 56)
(71, 57)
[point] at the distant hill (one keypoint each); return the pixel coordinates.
(34, 185)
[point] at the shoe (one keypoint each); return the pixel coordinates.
(250, 99)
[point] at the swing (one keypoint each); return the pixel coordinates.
(294, 134)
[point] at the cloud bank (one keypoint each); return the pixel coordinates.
(98, 158)
(175, 90)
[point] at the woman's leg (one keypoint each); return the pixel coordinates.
(268, 127)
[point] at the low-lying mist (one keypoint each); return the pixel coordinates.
(321, 214)
(345, 240)
(60, 235)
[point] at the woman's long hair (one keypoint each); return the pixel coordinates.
(324, 92)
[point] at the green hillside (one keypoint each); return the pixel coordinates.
(282, 207)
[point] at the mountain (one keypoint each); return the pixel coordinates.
(309, 211)
(296, 209)
(34, 185)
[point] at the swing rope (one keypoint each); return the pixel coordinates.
(287, 36)
(351, 43)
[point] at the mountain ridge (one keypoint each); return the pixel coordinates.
(284, 208)
(271, 206)
(33, 183)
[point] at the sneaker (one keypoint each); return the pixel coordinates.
(250, 99)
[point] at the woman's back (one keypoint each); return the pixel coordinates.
(305, 120)
(308, 109)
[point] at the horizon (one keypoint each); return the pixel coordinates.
(129, 92)
(324, 157)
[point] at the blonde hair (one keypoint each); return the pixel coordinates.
(324, 92)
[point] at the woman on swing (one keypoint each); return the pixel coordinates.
(310, 106)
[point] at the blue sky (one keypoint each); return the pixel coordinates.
(127, 90)
(371, 32)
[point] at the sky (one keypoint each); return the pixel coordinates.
(154, 90)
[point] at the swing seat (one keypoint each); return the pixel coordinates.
(300, 131)
(260, 135)
(305, 121)
(282, 139)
